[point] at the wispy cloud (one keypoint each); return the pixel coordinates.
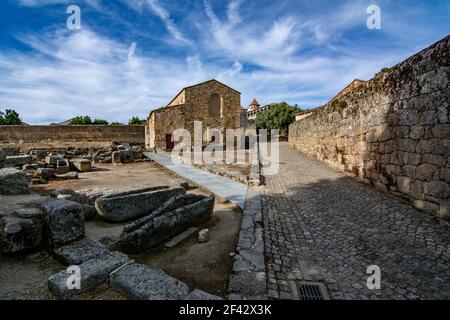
(133, 55)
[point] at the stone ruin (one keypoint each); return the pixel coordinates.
(57, 224)
(43, 165)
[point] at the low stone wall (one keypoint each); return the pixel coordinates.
(27, 137)
(392, 132)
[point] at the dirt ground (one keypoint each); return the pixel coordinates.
(205, 266)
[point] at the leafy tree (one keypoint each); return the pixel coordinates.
(278, 117)
(100, 122)
(10, 118)
(115, 123)
(135, 121)
(81, 120)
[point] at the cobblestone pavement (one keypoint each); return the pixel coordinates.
(321, 226)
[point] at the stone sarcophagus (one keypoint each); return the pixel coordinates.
(134, 204)
(172, 218)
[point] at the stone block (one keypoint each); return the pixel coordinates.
(45, 173)
(62, 166)
(13, 182)
(67, 176)
(201, 295)
(117, 158)
(139, 282)
(17, 161)
(425, 172)
(134, 204)
(19, 234)
(64, 220)
(426, 206)
(82, 165)
(404, 184)
(175, 216)
(78, 252)
(437, 189)
(52, 160)
(93, 273)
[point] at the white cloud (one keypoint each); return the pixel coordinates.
(164, 15)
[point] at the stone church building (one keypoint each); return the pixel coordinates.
(213, 103)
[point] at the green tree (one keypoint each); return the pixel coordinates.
(135, 121)
(278, 117)
(81, 121)
(10, 118)
(115, 123)
(100, 122)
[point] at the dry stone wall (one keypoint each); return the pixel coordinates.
(392, 132)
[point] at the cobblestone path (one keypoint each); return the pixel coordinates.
(321, 226)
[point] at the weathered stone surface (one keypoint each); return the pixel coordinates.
(404, 184)
(93, 273)
(175, 216)
(201, 295)
(17, 161)
(249, 284)
(13, 182)
(68, 176)
(82, 165)
(52, 160)
(64, 220)
(437, 189)
(139, 282)
(62, 166)
(116, 158)
(45, 173)
(78, 252)
(134, 204)
(18, 234)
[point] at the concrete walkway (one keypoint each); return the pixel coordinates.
(225, 188)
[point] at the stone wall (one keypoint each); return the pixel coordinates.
(27, 137)
(392, 132)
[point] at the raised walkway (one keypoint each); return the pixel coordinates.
(225, 188)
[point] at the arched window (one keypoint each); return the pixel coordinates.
(215, 105)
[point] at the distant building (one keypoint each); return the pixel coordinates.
(255, 108)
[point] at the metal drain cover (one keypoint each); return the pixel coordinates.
(310, 291)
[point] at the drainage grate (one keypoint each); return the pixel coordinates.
(310, 292)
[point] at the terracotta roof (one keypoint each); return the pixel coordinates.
(255, 103)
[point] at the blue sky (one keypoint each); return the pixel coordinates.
(131, 56)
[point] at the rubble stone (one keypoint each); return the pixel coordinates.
(45, 173)
(203, 235)
(201, 295)
(18, 234)
(78, 252)
(64, 220)
(139, 282)
(82, 165)
(17, 161)
(13, 182)
(134, 204)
